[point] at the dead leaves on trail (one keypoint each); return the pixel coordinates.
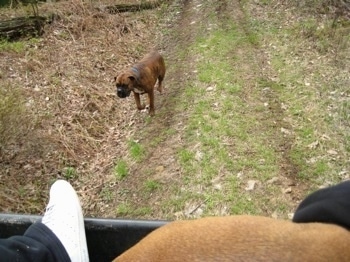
(66, 76)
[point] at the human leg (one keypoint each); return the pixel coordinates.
(38, 243)
(59, 236)
(327, 205)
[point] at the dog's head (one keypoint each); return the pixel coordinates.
(126, 82)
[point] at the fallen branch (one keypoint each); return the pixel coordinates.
(22, 26)
(121, 8)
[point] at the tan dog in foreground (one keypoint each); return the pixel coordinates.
(242, 238)
(141, 79)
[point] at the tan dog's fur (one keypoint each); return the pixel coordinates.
(242, 238)
(142, 77)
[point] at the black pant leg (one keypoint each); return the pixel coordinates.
(38, 244)
(328, 205)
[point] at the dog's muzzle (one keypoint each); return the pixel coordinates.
(123, 92)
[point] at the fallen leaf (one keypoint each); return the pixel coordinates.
(272, 180)
(332, 152)
(285, 131)
(251, 185)
(287, 190)
(313, 145)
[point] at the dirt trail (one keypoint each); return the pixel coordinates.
(161, 159)
(161, 163)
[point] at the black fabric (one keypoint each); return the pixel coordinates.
(38, 244)
(328, 205)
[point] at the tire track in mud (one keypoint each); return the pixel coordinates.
(160, 163)
(179, 72)
(274, 118)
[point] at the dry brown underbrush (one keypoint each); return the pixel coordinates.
(78, 126)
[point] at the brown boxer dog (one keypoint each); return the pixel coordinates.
(141, 79)
(241, 238)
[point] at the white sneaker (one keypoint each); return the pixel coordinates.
(64, 217)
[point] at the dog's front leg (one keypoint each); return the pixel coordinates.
(151, 103)
(138, 101)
